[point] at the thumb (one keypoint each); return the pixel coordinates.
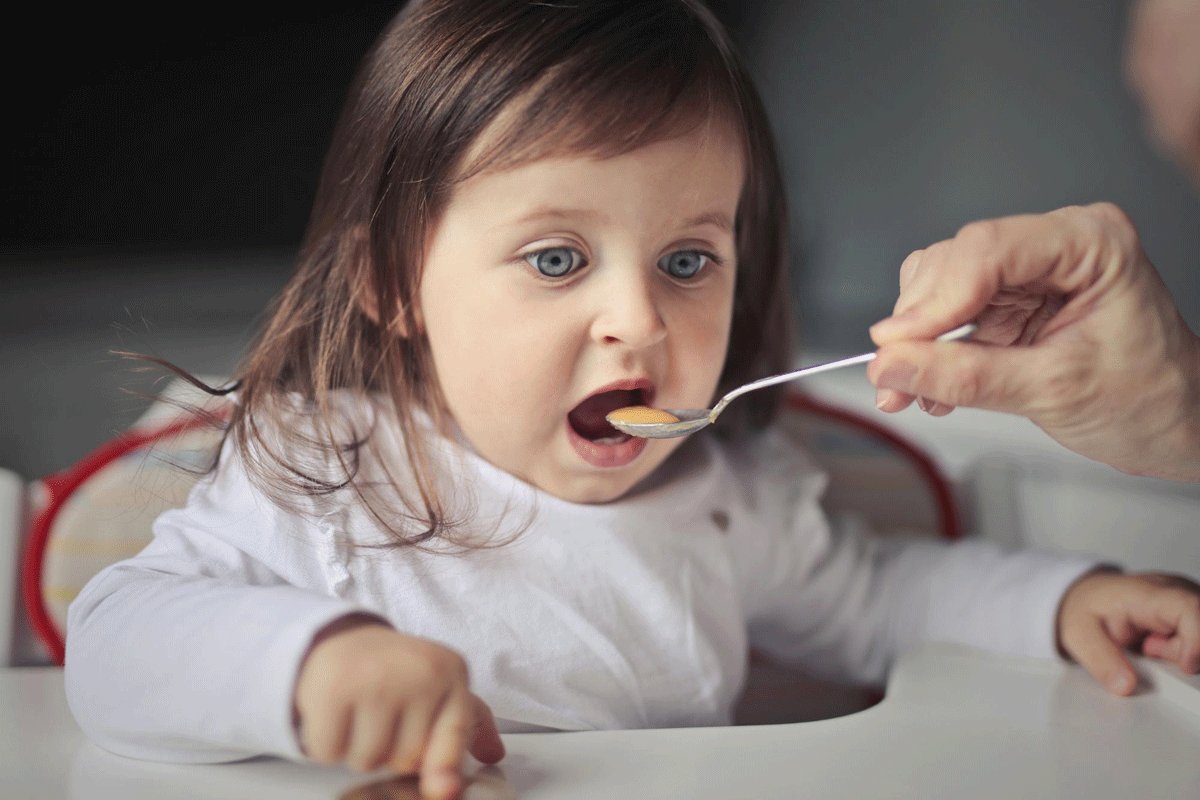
(970, 374)
(486, 744)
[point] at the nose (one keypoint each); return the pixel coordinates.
(629, 311)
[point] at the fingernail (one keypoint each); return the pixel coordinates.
(939, 409)
(897, 376)
(925, 405)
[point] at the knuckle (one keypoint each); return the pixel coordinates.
(979, 237)
(445, 664)
(457, 667)
(1116, 225)
(967, 388)
(908, 268)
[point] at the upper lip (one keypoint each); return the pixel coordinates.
(644, 385)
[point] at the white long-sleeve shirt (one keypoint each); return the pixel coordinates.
(635, 613)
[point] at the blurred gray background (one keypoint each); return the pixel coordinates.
(158, 184)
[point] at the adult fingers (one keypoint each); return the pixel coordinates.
(441, 767)
(891, 401)
(1091, 646)
(1061, 253)
(957, 374)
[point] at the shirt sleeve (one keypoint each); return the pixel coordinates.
(844, 603)
(189, 651)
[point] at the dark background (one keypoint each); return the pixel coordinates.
(159, 170)
(202, 134)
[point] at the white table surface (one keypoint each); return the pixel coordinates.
(955, 723)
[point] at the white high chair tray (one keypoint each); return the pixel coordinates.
(956, 723)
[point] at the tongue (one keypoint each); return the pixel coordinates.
(588, 420)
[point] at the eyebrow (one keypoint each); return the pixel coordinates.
(715, 218)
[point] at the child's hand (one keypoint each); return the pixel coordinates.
(1105, 612)
(369, 696)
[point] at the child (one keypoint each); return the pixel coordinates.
(422, 531)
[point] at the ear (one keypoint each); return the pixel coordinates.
(363, 288)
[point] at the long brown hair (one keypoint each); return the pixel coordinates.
(600, 77)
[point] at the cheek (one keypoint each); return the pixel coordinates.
(497, 359)
(707, 331)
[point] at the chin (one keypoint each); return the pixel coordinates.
(592, 490)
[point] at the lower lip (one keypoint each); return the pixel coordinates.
(606, 455)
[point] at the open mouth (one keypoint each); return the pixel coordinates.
(587, 418)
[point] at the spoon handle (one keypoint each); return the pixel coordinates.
(763, 383)
(961, 332)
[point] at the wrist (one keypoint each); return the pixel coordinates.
(343, 624)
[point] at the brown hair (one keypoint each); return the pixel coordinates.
(594, 76)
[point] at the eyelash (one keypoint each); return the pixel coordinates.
(530, 259)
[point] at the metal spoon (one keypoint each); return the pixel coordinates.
(693, 419)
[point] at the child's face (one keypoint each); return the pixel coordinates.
(556, 291)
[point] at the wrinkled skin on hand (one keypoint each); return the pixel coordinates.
(1077, 332)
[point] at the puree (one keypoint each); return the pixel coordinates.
(640, 415)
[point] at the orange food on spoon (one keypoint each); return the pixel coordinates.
(639, 415)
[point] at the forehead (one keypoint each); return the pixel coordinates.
(529, 129)
(691, 179)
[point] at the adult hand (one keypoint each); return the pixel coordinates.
(1076, 332)
(368, 696)
(1105, 613)
(1162, 64)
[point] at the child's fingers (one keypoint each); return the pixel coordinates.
(1174, 616)
(441, 768)
(1096, 652)
(486, 744)
(409, 746)
(324, 734)
(372, 735)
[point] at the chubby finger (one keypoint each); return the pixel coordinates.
(441, 766)
(1093, 649)
(372, 736)
(324, 734)
(1174, 621)
(408, 747)
(486, 744)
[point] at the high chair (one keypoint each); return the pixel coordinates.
(61, 530)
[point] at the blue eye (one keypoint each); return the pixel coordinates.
(555, 262)
(683, 263)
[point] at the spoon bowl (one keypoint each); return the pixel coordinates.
(691, 420)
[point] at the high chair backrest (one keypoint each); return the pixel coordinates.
(101, 509)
